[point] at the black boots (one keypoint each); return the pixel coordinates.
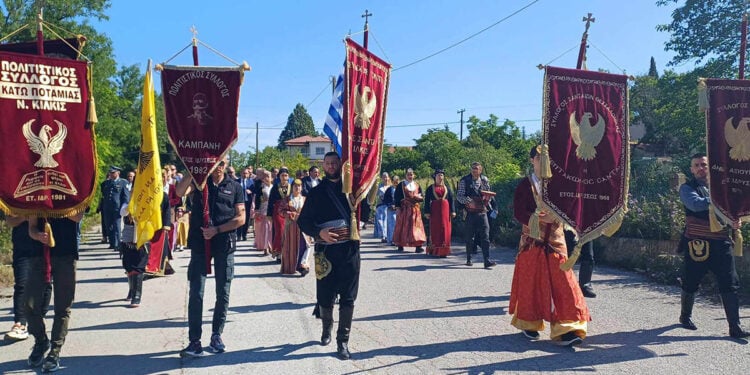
(686, 310)
(732, 310)
(342, 336)
(326, 314)
(137, 281)
(130, 288)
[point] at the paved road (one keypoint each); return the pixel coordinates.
(415, 315)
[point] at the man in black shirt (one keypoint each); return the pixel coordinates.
(63, 258)
(326, 217)
(226, 205)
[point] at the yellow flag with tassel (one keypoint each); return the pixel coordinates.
(147, 194)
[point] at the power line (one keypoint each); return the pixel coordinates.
(467, 38)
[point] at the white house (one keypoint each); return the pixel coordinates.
(314, 148)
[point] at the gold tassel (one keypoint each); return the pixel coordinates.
(48, 230)
(347, 178)
(713, 221)
(354, 230)
(702, 94)
(573, 258)
(545, 170)
(534, 230)
(91, 117)
(737, 243)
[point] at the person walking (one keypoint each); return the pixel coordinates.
(439, 210)
(473, 192)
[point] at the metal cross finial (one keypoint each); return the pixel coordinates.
(588, 19)
(366, 16)
(194, 31)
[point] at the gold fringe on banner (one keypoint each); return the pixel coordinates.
(738, 243)
(713, 220)
(534, 230)
(346, 178)
(702, 94)
(568, 264)
(545, 170)
(48, 230)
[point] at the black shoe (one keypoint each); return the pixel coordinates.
(36, 358)
(419, 250)
(468, 263)
(739, 333)
(342, 350)
(400, 248)
(217, 345)
(687, 323)
(51, 363)
(588, 291)
(489, 264)
(570, 339)
(303, 271)
(383, 240)
(531, 335)
(194, 349)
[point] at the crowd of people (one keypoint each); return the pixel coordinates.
(291, 218)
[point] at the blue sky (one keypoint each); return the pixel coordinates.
(295, 46)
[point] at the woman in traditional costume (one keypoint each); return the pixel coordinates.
(439, 210)
(295, 245)
(278, 202)
(262, 225)
(409, 229)
(541, 290)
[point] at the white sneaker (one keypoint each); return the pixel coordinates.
(17, 333)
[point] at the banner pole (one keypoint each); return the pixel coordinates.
(206, 214)
(366, 16)
(743, 44)
(40, 32)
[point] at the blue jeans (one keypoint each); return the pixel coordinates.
(223, 274)
(381, 222)
(391, 224)
(114, 221)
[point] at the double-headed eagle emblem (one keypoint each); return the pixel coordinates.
(738, 139)
(44, 144)
(585, 136)
(364, 106)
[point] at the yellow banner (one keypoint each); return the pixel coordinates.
(147, 194)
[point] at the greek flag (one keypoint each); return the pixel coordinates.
(333, 126)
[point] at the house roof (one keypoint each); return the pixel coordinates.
(305, 139)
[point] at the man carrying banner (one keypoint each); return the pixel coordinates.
(541, 290)
(705, 251)
(326, 217)
(227, 213)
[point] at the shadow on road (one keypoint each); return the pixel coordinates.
(436, 313)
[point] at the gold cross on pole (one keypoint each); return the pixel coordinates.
(194, 31)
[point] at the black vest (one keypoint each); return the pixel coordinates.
(693, 183)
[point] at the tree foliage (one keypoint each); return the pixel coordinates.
(707, 32)
(298, 124)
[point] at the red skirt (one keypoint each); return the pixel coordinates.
(409, 228)
(278, 226)
(440, 228)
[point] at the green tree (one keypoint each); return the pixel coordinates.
(298, 124)
(707, 32)
(441, 149)
(652, 72)
(400, 159)
(507, 136)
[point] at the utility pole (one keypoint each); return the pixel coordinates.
(256, 145)
(461, 111)
(333, 85)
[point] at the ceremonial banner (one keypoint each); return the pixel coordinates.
(201, 105)
(48, 148)
(727, 105)
(585, 128)
(148, 193)
(365, 95)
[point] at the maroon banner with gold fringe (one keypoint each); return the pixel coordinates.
(48, 148)
(585, 129)
(201, 106)
(728, 147)
(365, 99)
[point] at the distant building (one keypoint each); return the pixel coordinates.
(313, 148)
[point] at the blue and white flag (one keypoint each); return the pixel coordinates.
(333, 126)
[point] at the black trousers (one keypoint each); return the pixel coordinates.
(134, 259)
(64, 286)
(343, 279)
(720, 261)
(477, 230)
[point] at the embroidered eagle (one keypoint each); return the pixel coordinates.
(585, 136)
(364, 106)
(738, 139)
(44, 144)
